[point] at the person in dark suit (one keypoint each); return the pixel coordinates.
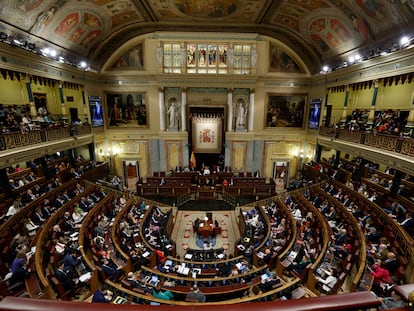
(64, 277)
(38, 218)
(408, 223)
(83, 204)
(58, 202)
(195, 295)
(132, 280)
(68, 225)
(71, 261)
(110, 270)
(102, 296)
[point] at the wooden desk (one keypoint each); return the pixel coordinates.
(205, 228)
(206, 194)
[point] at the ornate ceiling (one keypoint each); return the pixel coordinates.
(318, 30)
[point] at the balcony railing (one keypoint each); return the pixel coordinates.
(10, 141)
(402, 145)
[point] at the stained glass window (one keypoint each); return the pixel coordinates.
(172, 58)
(207, 58)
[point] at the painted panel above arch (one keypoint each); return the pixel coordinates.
(132, 59)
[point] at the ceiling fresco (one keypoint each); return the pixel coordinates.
(318, 30)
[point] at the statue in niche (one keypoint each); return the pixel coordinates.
(241, 114)
(173, 115)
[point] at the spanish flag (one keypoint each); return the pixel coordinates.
(193, 160)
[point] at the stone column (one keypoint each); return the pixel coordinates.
(162, 108)
(183, 109)
(251, 112)
(230, 110)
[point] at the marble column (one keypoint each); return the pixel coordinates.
(230, 110)
(162, 109)
(251, 112)
(183, 109)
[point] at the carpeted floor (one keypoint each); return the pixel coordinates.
(185, 237)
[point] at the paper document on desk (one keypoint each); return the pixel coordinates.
(85, 277)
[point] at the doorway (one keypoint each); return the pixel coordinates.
(212, 160)
(131, 173)
(281, 175)
(73, 115)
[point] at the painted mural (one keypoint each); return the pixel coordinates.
(211, 8)
(331, 27)
(126, 110)
(285, 110)
(281, 61)
(133, 59)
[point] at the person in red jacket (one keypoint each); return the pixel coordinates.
(382, 279)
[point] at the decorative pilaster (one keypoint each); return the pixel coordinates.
(344, 113)
(62, 98)
(33, 111)
(371, 115)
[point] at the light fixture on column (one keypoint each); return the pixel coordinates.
(3, 36)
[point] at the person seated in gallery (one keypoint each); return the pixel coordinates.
(18, 267)
(104, 296)
(133, 280)
(225, 182)
(269, 283)
(111, 270)
(65, 278)
(329, 282)
(299, 267)
(393, 301)
(408, 223)
(267, 255)
(157, 292)
(71, 261)
(195, 295)
(382, 279)
(206, 170)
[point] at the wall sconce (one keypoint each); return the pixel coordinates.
(116, 149)
(19, 42)
(3, 36)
